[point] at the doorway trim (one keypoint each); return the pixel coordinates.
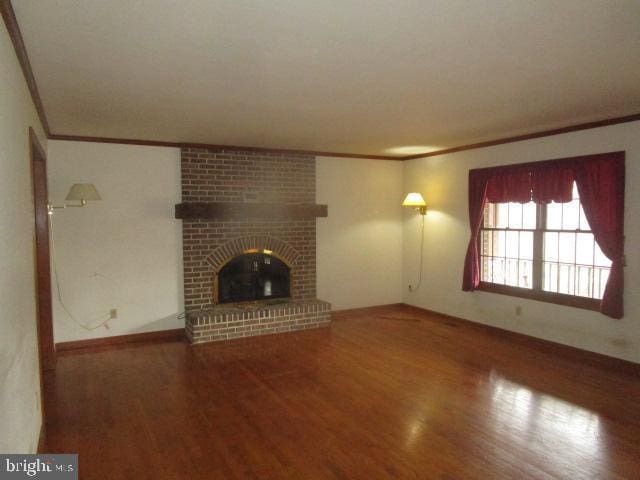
(46, 344)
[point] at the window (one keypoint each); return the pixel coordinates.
(545, 251)
(507, 244)
(550, 255)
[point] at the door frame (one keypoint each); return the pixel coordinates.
(46, 346)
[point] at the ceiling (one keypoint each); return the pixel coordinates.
(355, 76)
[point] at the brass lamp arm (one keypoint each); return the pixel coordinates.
(421, 210)
(52, 206)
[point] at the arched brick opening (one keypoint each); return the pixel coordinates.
(221, 255)
(249, 244)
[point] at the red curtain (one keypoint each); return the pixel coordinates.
(600, 181)
(544, 183)
(512, 185)
(477, 198)
(552, 183)
(600, 184)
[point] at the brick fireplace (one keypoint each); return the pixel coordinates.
(247, 202)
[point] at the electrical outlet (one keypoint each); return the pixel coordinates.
(113, 313)
(518, 310)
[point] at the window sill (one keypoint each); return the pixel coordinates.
(548, 297)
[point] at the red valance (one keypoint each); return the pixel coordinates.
(600, 182)
(540, 182)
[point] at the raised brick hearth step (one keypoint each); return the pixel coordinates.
(225, 322)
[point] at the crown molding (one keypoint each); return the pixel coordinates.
(264, 150)
(472, 146)
(530, 136)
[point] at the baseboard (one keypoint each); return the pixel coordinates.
(42, 439)
(145, 337)
(566, 351)
(349, 312)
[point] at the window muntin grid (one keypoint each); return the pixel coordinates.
(568, 260)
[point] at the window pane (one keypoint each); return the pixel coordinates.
(551, 247)
(498, 270)
(584, 248)
(602, 275)
(507, 250)
(486, 270)
(529, 215)
(584, 224)
(584, 278)
(498, 244)
(489, 215)
(512, 272)
(567, 250)
(511, 249)
(570, 215)
(572, 279)
(582, 268)
(525, 274)
(486, 245)
(600, 259)
(526, 245)
(565, 280)
(502, 215)
(515, 215)
(550, 277)
(554, 216)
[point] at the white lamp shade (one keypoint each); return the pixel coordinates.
(83, 191)
(414, 199)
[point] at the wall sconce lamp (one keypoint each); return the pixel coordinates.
(415, 201)
(79, 192)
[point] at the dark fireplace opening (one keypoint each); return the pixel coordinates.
(253, 276)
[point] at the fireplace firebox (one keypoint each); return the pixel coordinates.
(253, 276)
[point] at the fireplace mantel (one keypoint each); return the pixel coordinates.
(220, 210)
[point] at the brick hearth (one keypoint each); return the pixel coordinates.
(225, 323)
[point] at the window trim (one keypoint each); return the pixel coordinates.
(585, 303)
(536, 292)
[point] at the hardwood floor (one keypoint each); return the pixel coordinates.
(387, 393)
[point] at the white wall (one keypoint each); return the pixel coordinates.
(131, 240)
(443, 181)
(122, 252)
(359, 245)
(20, 418)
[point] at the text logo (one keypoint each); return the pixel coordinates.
(51, 467)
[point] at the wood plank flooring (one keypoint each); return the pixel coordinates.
(386, 393)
